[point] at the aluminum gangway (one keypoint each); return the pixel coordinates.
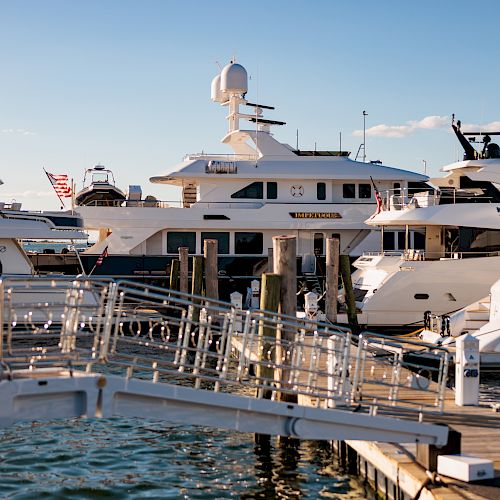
(96, 348)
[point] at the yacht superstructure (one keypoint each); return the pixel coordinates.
(265, 188)
(442, 251)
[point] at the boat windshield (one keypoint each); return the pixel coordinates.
(100, 178)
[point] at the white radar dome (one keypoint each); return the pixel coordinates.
(233, 78)
(215, 92)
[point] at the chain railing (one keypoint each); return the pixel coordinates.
(150, 333)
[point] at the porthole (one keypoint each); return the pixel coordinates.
(421, 296)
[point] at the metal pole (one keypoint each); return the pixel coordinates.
(365, 114)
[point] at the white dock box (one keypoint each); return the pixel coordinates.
(465, 468)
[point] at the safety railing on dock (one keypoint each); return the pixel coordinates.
(149, 333)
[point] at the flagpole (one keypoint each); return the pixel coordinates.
(60, 199)
(78, 257)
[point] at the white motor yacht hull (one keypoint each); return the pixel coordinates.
(398, 292)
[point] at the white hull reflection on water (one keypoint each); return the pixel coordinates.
(133, 458)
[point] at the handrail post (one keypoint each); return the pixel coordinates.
(108, 321)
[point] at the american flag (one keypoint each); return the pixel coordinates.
(60, 183)
(378, 199)
(102, 257)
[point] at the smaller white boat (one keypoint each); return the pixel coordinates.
(17, 225)
(99, 188)
(481, 319)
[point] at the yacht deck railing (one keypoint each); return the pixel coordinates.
(416, 254)
(407, 198)
(220, 157)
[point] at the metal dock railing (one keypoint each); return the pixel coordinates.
(142, 333)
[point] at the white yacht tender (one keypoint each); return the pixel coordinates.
(442, 251)
(265, 188)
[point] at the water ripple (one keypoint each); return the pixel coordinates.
(133, 458)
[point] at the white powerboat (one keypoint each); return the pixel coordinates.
(99, 187)
(442, 251)
(481, 319)
(265, 188)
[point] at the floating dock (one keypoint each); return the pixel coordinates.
(393, 470)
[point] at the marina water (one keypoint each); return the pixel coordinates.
(134, 458)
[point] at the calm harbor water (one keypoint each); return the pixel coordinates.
(127, 458)
(133, 458)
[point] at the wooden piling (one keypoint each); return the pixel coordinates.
(285, 264)
(197, 286)
(210, 250)
(270, 260)
(332, 278)
(269, 301)
(184, 272)
(197, 280)
(174, 274)
(345, 271)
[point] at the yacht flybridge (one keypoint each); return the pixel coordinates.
(265, 188)
(440, 247)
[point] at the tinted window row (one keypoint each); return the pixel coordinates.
(244, 242)
(364, 191)
(255, 191)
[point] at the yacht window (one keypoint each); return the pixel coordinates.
(319, 244)
(222, 240)
(401, 240)
(421, 296)
(365, 191)
(321, 191)
(176, 239)
(272, 190)
(419, 240)
(254, 190)
(397, 188)
(389, 240)
(248, 243)
(349, 190)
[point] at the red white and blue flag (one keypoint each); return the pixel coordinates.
(60, 183)
(101, 257)
(378, 199)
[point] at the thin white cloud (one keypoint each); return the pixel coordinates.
(16, 131)
(398, 131)
(486, 127)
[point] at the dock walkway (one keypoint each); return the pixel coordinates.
(393, 469)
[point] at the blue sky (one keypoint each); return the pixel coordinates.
(127, 83)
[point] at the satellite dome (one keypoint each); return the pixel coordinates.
(216, 93)
(233, 78)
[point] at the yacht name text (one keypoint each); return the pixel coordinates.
(315, 215)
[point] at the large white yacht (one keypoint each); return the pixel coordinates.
(439, 249)
(264, 188)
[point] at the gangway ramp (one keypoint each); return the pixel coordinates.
(136, 350)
